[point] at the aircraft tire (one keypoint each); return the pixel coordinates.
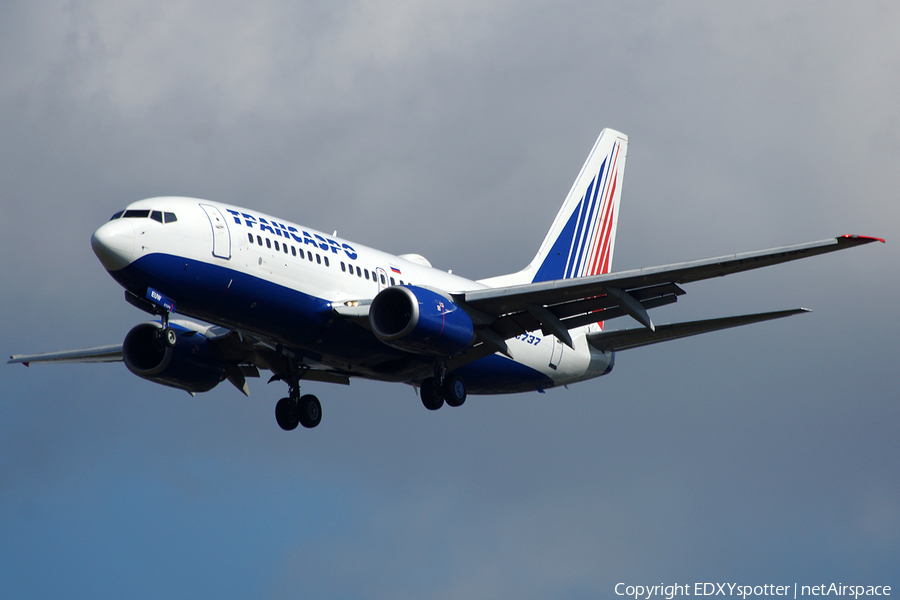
(431, 395)
(287, 414)
(454, 391)
(166, 337)
(309, 411)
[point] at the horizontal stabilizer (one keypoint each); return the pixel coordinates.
(634, 338)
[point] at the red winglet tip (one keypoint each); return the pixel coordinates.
(866, 238)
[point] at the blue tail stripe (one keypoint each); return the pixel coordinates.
(554, 264)
(579, 228)
(584, 233)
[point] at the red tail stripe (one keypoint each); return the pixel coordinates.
(603, 247)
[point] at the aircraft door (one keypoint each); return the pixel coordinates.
(556, 352)
(382, 278)
(221, 236)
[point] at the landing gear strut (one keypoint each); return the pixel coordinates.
(296, 409)
(166, 336)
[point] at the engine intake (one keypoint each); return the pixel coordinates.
(190, 365)
(419, 320)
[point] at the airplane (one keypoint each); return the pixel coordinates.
(260, 292)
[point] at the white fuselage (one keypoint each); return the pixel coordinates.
(206, 255)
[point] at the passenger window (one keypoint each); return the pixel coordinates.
(309, 256)
(382, 278)
(269, 243)
(156, 216)
(250, 235)
(343, 267)
(392, 281)
(284, 247)
(276, 246)
(318, 259)
(366, 271)
(293, 251)
(170, 217)
(326, 262)
(358, 272)
(259, 240)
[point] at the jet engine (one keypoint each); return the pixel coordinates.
(189, 364)
(419, 320)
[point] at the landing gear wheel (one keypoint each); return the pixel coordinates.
(431, 394)
(166, 337)
(287, 414)
(454, 391)
(309, 411)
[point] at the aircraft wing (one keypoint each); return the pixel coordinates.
(562, 304)
(100, 354)
(243, 356)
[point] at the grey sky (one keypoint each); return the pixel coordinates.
(766, 454)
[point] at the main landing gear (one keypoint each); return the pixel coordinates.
(435, 393)
(296, 409)
(305, 410)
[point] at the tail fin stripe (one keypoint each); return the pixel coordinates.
(581, 239)
(572, 262)
(601, 264)
(596, 241)
(589, 205)
(583, 207)
(596, 209)
(600, 239)
(602, 248)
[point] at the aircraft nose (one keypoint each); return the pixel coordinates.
(113, 243)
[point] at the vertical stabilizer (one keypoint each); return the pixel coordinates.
(581, 240)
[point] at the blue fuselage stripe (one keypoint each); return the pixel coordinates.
(303, 323)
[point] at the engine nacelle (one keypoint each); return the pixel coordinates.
(189, 365)
(418, 320)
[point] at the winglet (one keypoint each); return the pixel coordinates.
(859, 239)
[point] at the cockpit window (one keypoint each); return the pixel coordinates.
(156, 215)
